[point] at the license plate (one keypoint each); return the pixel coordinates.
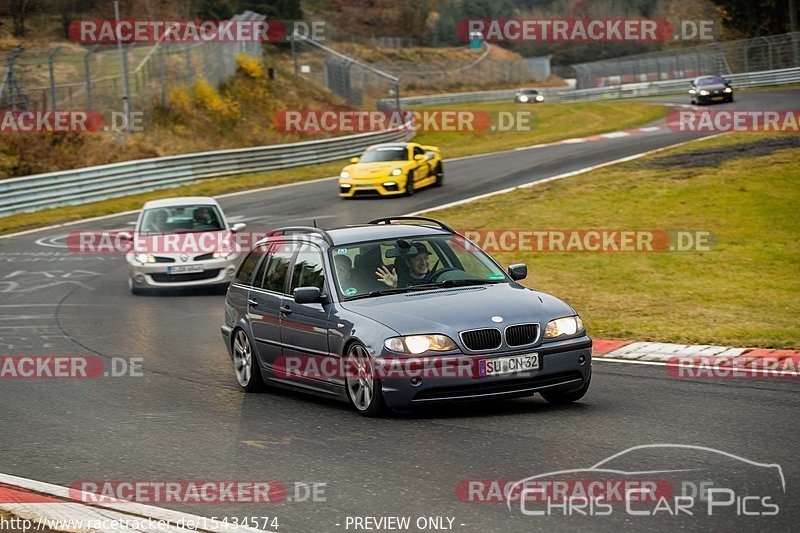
(184, 269)
(718, 98)
(508, 365)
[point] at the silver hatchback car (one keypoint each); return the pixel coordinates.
(181, 242)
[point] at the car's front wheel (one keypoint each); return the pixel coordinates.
(363, 386)
(245, 365)
(558, 397)
(439, 175)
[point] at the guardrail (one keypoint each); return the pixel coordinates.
(84, 185)
(628, 90)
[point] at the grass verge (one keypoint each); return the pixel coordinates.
(555, 122)
(743, 292)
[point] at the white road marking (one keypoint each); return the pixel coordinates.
(615, 134)
(574, 141)
(558, 177)
(79, 511)
(651, 128)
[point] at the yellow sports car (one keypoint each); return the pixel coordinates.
(392, 169)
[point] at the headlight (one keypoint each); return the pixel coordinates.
(222, 255)
(540, 98)
(345, 174)
(692, 91)
(396, 172)
(569, 325)
(704, 93)
(523, 98)
(416, 344)
(728, 90)
(145, 258)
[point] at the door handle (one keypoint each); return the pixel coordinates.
(252, 303)
(285, 309)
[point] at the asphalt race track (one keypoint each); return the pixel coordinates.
(186, 418)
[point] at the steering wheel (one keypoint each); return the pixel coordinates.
(434, 277)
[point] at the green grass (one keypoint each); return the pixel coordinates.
(555, 122)
(551, 122)
(744, 292)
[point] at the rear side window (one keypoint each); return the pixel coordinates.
(278, 267)
(245, 274)
(309, 270)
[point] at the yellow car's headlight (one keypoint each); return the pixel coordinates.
(562, 327)
(345, 174)
(396, 172)
(416, 344)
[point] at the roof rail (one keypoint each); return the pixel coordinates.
(304, 229)
(388, 220)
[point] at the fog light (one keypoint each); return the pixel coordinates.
(581, 359)
(139, 278)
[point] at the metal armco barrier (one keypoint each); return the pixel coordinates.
(628, 90)
(80, 186)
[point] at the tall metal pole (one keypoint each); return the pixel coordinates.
(123, 60)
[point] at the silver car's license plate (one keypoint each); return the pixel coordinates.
(184, 269)
(508, 365)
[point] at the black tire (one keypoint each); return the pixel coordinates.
(133, 289)
(557, 397)
(362, 387)
(410, 183)
(439, 175)
(245, 362)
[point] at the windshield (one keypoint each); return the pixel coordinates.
(181, 219)
(714, 80)
(398, 265)
(375, 155)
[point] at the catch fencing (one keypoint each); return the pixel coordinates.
(71, 76)
(772, 52)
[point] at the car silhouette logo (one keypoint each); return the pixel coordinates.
(497, 319)
(184, 257)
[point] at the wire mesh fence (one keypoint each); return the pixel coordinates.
(771, 52)
(361, 84)
(71, 76)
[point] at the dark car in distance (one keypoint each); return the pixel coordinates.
(710, 89)
(397, 313)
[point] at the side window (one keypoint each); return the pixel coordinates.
(264, 251)
(245, 274)
(418, 151)
(309, 269)
(278, 267)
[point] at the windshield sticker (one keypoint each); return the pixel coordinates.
(341, 251)
(350, 291)
(495, 276)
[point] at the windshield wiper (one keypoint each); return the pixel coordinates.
(458, 283)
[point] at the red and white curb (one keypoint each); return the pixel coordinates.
(600, 137)
(62, 509)
(767, 361)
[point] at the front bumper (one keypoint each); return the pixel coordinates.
(155, 276)
(714, 98)
(559, 368)
(349, 188)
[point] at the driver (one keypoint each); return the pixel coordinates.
(416, 269)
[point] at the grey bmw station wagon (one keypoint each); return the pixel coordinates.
(397, 313)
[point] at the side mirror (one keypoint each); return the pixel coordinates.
(419, 157)
(124, 236)
(518, 271)
(354, 160)
(306, 295)
(239, 226)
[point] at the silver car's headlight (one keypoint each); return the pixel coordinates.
(345, 174)
(523, 98)
(561, 327)
(396, 172)
(416, 344)
(704, 93)
(144, 258)
(540, 98)
(222, 255)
